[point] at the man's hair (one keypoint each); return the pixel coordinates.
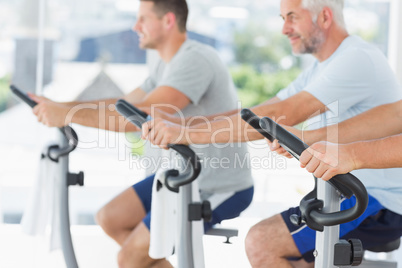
(178, 7)
(315, 7)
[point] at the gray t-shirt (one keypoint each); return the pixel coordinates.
(197, 71)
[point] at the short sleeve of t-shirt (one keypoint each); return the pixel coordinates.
(190, 73)
(345, 80)
(150, 83)
(297, 85)
(348, 80)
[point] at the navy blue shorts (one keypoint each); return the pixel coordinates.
(228, 209)
(377, 226)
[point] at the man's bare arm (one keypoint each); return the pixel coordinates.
(232, 128)
(380, 153)
(102, 113)
(381, 121)
(325, 159)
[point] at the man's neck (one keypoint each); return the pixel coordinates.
(171, 46)
(331, 44)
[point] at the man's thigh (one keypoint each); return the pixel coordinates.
(270, 239)
(125, 210)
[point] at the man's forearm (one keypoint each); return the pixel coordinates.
(101, 115)
(196, 120)
(381, 153)
(96, 102)
(224, 129)
(98, 114)
(381, 121)
(229, 129)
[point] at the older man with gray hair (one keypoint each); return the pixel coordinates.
(348, 77)
(317, 27)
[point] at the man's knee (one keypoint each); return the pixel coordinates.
(258, 247)
(102, 218)
(256, 238)
(252, 240)
(134, 250)
(269, 242)
(134, 255)
(125, 258)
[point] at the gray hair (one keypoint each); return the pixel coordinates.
(316, 6)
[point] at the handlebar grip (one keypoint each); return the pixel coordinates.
(189, 157)
(295, 146)
(253, 120)
(71, 135)
(339, 217)
(347, 184)
(68, 132)
(138, 117)
(23, 96)
(133, 114)
(72, 142)
(283, 136)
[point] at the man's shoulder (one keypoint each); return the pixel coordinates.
(354, 41)
(357, 53)
(195, 53)
(355, 46)
(193, 47)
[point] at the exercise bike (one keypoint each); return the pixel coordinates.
(59, 153)
(320, 208)
(190, 211)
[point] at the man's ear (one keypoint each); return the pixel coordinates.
(325, 18)
(169, 20)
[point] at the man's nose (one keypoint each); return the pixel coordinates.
(135, 27)
(286, 28)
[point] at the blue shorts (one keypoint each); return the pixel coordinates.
(229, 209)
(377, 226)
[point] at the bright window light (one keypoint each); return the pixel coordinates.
(229, 12)
(127, 6)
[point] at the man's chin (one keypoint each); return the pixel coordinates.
(296, 52)
(146, 46)
(300, 50)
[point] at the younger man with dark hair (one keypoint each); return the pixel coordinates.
(189, 77)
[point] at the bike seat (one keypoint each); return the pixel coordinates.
(388, 247)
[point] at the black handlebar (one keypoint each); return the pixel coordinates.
(254, 121)
(23, 96)
(175, 179)
(131, 113)
(339, 217)
(69, 133)
(347, 184)
(295, 147)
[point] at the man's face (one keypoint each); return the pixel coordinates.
(148, 26)
(304, 35)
